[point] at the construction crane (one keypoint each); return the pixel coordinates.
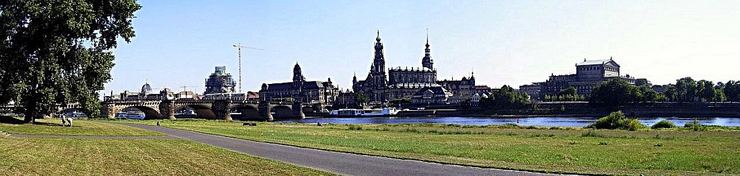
(239, 47)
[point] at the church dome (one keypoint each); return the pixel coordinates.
(146, 89)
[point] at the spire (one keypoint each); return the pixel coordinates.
(378, 37)
(427, 45)
(354, 79)
(427, 62)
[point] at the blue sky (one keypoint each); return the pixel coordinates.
(516, 42)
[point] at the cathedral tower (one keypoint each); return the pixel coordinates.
(377, 70)
(427, 62)
(297, 74)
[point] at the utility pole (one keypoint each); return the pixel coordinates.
(239, 47)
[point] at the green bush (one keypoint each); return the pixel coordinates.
(694, 125)
(633, 124)
(663, 124)
(616, 120)
(355, 127)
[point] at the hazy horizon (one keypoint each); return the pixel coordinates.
(178, 43)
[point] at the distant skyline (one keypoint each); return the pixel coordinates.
(178, 43)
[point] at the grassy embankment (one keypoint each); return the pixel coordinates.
(586, 151)
(132, 156)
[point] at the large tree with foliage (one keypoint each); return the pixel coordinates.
(506, 98)
(56, 52)
(731, 90)
(686, 89)
(615, 92)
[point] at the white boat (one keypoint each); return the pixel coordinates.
(186, 113)
(135, 115)
(121, 115)
(363, 112)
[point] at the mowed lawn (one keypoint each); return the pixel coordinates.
(131, 156)
(585, 151)
(79, 127)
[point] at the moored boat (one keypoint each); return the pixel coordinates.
(363, 112)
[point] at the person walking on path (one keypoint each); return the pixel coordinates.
(69, 120)
(64, 119)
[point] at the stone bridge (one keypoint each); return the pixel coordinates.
(210, 109)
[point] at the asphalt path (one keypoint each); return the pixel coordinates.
(336, 162)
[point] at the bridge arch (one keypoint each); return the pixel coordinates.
(201, 111)
(247, 112)
(149, 112)
(282, 111)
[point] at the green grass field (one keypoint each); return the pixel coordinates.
(585, 151)
(82, 156)
(79, 127)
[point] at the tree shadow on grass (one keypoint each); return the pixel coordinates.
(47, 124)
(16, 121)
(10, 120)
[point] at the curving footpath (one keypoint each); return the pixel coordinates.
(337, 162)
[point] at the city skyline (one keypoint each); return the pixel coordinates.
(510, 43)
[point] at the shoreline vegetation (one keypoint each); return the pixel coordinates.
(689, 150)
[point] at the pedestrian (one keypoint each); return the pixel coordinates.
(157, 122)
(64, 120)
(69, 120)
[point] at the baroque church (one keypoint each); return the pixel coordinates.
(418, 84)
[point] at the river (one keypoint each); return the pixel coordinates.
(524, 121)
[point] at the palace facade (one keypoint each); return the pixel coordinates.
(308, 92)
(589, 75)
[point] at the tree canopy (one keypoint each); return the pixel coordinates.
(56, 52)
(688, 90)
(506, 98)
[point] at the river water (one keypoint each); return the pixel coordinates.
(524, 121)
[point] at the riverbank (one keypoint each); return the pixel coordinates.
(581, 108)
(560, 150)
(729, 122)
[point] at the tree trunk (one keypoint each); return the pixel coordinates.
(29, 117)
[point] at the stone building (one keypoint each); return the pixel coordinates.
(307, 92)
(346, 99)
(533, 90)
(589, 75)
(462, 90)
(410, 82)
(431, 96)
(219, 82)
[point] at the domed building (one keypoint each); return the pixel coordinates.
(145, 89)
(219, 82)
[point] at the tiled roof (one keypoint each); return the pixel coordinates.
(593, 62)
(289, 85)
